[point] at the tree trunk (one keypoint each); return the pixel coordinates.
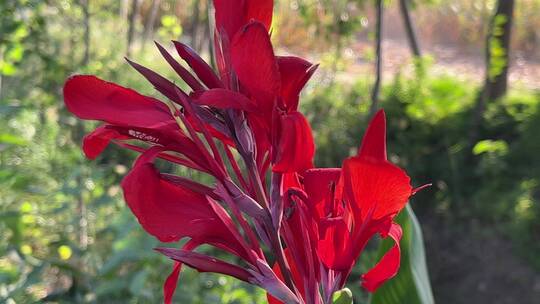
(409, 28)
(378, 59)
(195, 26)
(496, 73)
(210, 25)
(149, 28)
(124, 9)
(135, 5)
(499, 41)
(86, 13)
(208, 33)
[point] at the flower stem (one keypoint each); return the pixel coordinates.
(275, 241)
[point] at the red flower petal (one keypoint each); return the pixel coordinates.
(374, 141)
(260, 130)
(296, 147)
(232, 234)
(129, 113)
(180, 70)
(170, 212)
(94, 143)
(296, 276)
(375, 189)
(89, 97)
(160, 83)
(301, 236)
(388, 266)
(317, 184)
(335, 248)
(224, 99)
(295, 73)
(290, 180)
(260, 10)
(172, 280)
(231, 15)
(199, 66)
(166, 134)
(165, 210)
(255, 65)
(205, 263)
(216, 128)
(191, 185)
(169, 287)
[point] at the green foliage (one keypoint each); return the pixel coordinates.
(170, 27)
(411, 284)
(338, 19)
(14, 32)
(65, 234)
(494, 180)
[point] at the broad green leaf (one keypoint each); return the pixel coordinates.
(343, 296)
(411, 284)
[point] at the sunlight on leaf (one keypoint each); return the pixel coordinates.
(64, 252)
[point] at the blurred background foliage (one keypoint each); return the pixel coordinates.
(67, 237)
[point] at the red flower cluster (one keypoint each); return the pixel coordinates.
(314, 221)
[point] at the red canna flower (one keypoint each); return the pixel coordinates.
(275, 83)
(353, 204)
(315, 221)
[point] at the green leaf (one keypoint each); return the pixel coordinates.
(7, 68)
(136, 286)
(10, 139)
(411, 284)
(491, 146)
(343, 296)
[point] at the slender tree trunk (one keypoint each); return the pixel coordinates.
(195, 21)
(124, 9)
(409, 28)
(338, 10)
(496, 73)
(135, 5)
(209, 25)
(501, 28)
(86, 13)
(378, 59)
(149, 28)
(81, 207)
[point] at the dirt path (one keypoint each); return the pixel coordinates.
(446, 60)
(476, 265)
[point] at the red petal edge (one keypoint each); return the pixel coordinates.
(388, 266)
(169, 287)
(374, 141)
